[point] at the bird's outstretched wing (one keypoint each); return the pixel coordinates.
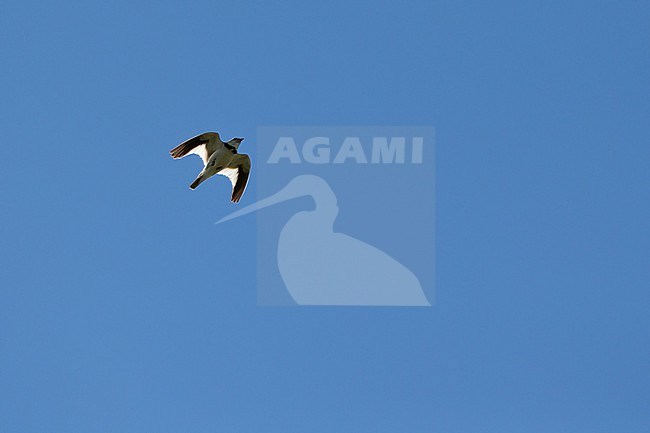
(203, 145)
(238, 171)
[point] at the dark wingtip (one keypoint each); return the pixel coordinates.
(196, 183)
(186, 147)
(236, 197)
(176, 152)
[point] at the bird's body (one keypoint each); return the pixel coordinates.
(322, 267)
(218, 158)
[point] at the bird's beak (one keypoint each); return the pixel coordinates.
(286, 193)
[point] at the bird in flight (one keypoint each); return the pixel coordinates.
(218, 158)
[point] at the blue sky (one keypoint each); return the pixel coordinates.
(119, 313)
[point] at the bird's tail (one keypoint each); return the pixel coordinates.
(198, 181)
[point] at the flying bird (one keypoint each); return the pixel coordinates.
(218, 158)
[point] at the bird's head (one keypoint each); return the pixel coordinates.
(235, 142)
(306, 184)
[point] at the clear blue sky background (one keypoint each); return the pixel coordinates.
(119, 313)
